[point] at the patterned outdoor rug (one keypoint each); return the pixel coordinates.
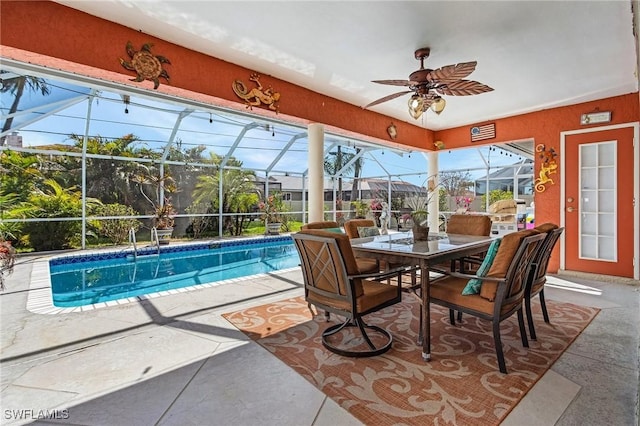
(461, 385)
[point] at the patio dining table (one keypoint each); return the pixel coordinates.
(400, 248)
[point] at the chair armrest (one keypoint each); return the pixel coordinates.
(469, 276)
(381, 275)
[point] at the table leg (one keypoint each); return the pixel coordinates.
(426, 312)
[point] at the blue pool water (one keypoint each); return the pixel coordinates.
(89, 279)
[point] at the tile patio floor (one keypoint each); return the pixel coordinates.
(174, 360)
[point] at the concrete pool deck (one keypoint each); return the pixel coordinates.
(175, 360)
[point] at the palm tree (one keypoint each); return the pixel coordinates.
(236, 184)
(335, 162)
(106, 179)
(16, 86)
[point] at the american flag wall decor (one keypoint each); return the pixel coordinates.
(488, 131)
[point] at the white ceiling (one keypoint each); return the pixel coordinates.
(536, 55)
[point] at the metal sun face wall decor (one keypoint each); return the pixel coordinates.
(146, 65)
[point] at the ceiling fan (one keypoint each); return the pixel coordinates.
(428, 85)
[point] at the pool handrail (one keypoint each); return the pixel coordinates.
(132, 240)
(154, 233)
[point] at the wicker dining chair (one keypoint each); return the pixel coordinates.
(351, 227)
(333, 283)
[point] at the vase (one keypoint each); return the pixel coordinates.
(420, 233)
(273, 228)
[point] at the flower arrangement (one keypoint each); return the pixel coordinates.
(7, 260)
(272, 208)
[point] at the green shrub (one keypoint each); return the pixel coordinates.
(116, 230)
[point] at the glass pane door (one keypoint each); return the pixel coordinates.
(598, 215)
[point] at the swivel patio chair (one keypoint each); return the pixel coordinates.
(502, 291)
(538, 274)
(365, 265)
(353, 228)
(333, 283)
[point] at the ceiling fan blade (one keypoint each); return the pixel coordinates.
(463, 88)
(387, 98)
(393, 82)
(452, 73)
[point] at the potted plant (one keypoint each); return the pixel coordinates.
(420, 225)
(7, 259)
(361, 207)
(163, 210)
(163, 221)
(272, 208)
(419, 213)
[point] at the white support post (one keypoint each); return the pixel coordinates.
(316, 172)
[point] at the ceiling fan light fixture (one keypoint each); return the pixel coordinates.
(438, 105)
(416, 106)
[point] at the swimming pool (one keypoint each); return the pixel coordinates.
(89, 279)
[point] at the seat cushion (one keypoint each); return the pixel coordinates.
(473, 285)
(507, 250)
(326, 224)
(449, 289)
(351, 226)
(469, 224)
(546, 227)
(368, 231)
(374, 293)
(367, 265)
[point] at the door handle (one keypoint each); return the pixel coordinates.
(570, 209)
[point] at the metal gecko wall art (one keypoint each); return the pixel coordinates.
(548, 167)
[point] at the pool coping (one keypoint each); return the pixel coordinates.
(40, 298)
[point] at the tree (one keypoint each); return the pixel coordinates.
(453, 184)
(336, 162)
(16, 86)
(236, 183)
(106, 179)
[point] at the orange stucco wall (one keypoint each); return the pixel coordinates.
(55, 31)
(544, 127)
(48, 34)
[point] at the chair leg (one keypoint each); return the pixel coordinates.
(532, 329)
(543, 305)
(452, 320)
(420, 337)
(498, 344)
(362, 326)
(523, 332)
(327, 316)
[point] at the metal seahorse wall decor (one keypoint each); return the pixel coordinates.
(256, 96)
(548, 167)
